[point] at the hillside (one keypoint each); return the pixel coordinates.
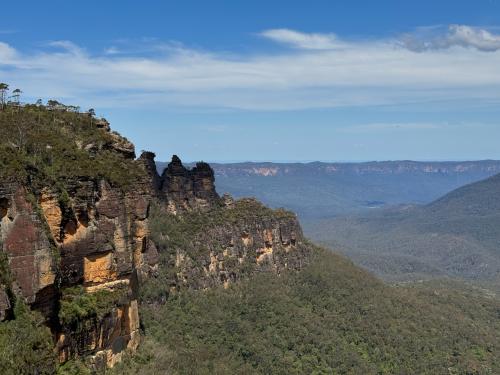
(324, 190)
(329, 317)
(457, 235)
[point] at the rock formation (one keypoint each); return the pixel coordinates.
(186, 190)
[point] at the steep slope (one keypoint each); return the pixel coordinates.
(324, 190)
(458, 235)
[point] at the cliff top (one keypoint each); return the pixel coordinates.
(42, 144)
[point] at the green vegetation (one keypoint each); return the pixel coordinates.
(73, 367)
(26, 345)
(177, 231)
(78, 306)
(330, 318)
(5, 277)
(48, 147)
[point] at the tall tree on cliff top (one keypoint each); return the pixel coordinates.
(16, 95)
(3, 94)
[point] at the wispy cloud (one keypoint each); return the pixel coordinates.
(300, 40)
(454, 36)
(7, 53)
(321, 71)
(67, 46)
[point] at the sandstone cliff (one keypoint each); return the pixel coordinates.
(205, 249)
(78, 230)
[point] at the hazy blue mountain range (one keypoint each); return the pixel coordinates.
(322, 190)
(457, 235)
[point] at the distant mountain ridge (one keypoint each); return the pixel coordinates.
(322, 190)
(457, 235)
(391, 167)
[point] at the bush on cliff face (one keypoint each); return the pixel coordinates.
(46, 147)
(5, 278)
(78, 306)
(26, 346)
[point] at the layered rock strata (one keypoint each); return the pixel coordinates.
(91, 235)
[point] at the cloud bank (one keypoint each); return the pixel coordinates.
(304, 71)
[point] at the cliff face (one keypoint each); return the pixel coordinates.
(268, 169)
(28, 247)
(235, 250)
(205, 249)
(102, 236)
(91, 234)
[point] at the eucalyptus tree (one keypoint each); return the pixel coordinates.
(3, 94)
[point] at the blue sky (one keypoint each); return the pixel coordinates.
(270, 80)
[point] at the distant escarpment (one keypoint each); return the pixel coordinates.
(325, 190)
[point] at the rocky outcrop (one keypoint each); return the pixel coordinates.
(153, 182)
(234, 252)
(185, 189)
(103, 341)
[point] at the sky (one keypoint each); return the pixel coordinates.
(227, 81)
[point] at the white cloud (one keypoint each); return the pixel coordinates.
(302, 40)
(455, 35)
(323, 72)
(7, 53)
